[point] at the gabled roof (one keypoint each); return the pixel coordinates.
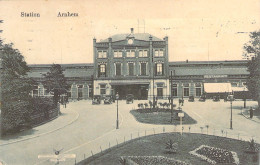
(137, 36)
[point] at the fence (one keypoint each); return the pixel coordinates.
(104, 147)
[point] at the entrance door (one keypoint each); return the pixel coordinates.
(159, 92)
(144, 92)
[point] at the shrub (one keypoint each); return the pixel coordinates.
(171, 147)
(42, 103)
(253, 146)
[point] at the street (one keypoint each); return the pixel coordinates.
(83, 129)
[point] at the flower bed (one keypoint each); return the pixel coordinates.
(215, 155)
(154, 160)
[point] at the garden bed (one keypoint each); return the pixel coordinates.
(161, 116)
(146, 149)
(215, 155)
(144, 160)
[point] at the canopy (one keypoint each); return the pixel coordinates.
(217, 87)
(239, 89)
(129, 82)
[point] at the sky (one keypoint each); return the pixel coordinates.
(198, 30)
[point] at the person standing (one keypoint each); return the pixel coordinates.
(251, 112)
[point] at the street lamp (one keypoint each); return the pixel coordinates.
(171, 100)
(231, 97)
(117, 121)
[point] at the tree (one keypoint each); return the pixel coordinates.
(252, 49)
(55, 82)
(15, 89)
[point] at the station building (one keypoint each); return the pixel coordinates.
(134, 63)
(138, 64)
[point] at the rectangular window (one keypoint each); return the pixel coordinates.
(159, 69)
(131, 69)
(186, 85)
(198, 91)
(161, 53)
(158, 53)
(102, 89)
(160, 92)
(118, 69)
(35, 92)
(174, 91)
(118, 54)
(102, 70)
(143, 69)
(142, 53)
(102, 54)
(186, 92)
(130, 53)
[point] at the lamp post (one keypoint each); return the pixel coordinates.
(231, 99)
(171, 100)
(117, 121)
(153, 83)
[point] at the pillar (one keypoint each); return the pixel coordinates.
(74, 91)
(85, 91)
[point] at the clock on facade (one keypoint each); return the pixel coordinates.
(130, 41)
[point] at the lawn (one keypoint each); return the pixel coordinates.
(154, 145)
(161, 116)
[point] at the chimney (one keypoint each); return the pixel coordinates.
(132, 30)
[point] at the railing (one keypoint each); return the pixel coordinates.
(94, 152)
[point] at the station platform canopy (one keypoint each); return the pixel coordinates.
(222, 88)
(239, 89)
(217, 87)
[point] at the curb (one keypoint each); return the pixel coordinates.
(45, 133)
(250, 118)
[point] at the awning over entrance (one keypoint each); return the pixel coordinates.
(128, 82)
(217, 87)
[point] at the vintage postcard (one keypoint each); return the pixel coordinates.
(129, 82)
